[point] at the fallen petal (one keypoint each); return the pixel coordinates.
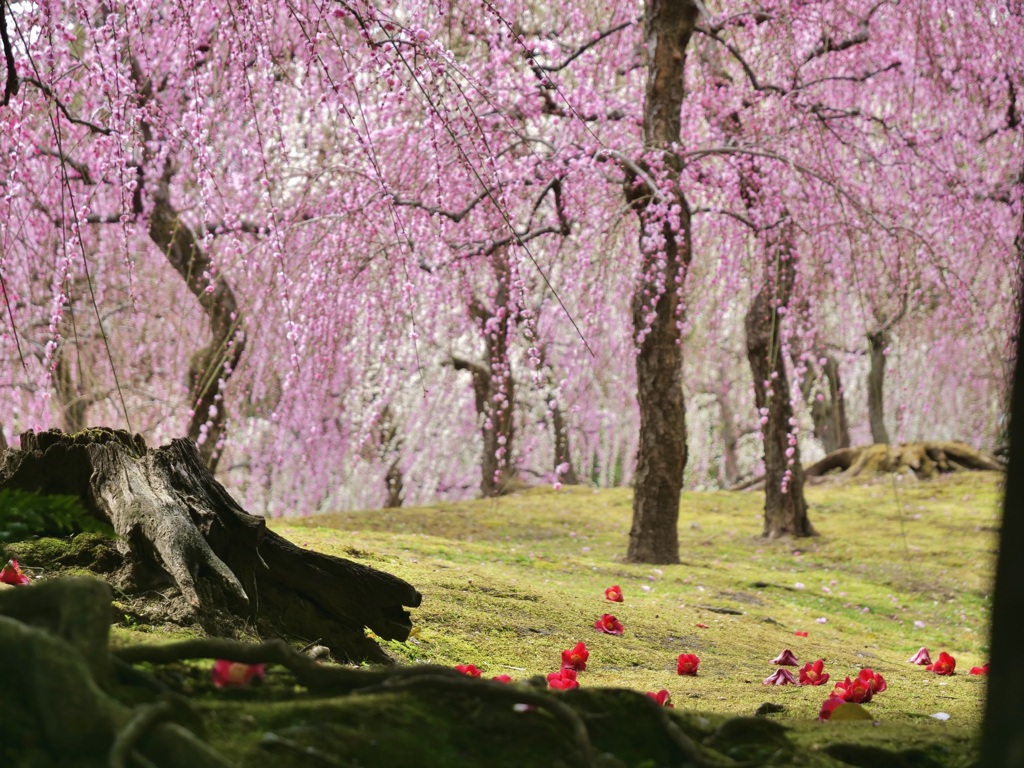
(787, 658)
(921, 657)
(780, 677)
(982, 670)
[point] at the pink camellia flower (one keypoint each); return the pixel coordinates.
(786, 658)
(11, 574)
(609, 625)
(613, 593)
(687, 664)
(780, 677)
(812, 673)
(798, 633)
(982, 670)
(921, 657)
(829, 707)
(236, 673)
(563, 680)
(663, 697)
(944, 666)
(502, 679)
(468, 669)
(576, 658)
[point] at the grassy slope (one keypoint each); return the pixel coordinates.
(509, 583)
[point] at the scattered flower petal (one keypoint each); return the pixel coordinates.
(813, 674)
(780, 677)
(703, 626)
(663, 697)
(468, 669)
(982, 670)
(940, 716)
(502, 679)
(687, 664)
(609, 625)
(798, 585)
(944, 666)
(614, 594)
(236, 673)
(919, 624)
(798, 633)
(921, 657)
(12, 574)
(821, 620)
(786, 658)
(576, 658)
(563, 680)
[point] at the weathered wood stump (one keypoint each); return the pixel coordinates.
(178, 526)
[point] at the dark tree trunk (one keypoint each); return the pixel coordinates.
(828, 413)
(729, 471)
(178, 527)
(785, 510)
(1002, 738)
(211, 367)
(390, 450)
(563, 449)
(878, 342)
(661, 453)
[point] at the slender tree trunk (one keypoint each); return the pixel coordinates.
(878, 342)
(1002, 740)
(729, 471)
(563, 451)
(785, 510)
(828, 408)
(390, 450)
(661, 453)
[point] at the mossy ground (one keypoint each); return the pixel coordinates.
(509, 583)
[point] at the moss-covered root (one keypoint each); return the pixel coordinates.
(63, 707)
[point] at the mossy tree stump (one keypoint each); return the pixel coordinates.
(178, 527)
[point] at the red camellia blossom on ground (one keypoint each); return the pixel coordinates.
(780, 677)
(828, 707)
(613, 593)
(563, 680)
(703, 626)
(502, 678)
(236, 673)
(944, 666)
(798, 633)
(860, 689)
(687, 664)
(921, 657)
(11, 574)
(576, 658)
(468, 669)
(812, 673)
(786, 658)
(982, 670)
(663, 697)
(609, 625)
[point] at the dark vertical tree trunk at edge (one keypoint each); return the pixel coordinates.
(661, 453)
(1002, 738)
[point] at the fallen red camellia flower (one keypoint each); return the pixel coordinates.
(11, 574)
(663, 697)
(703, 626)
(798, 633)
(921, 657)
(873, 680)
(609, 625)
(613, 593)
(944, 666)
(861, 688)
(563, 680)
(982, 670)
(502, 679)
(236, 673)
(468, 669)
(576, 658)
(786, 658)
(780, 677)
(812, 673)
(829, 707)
(687, 664)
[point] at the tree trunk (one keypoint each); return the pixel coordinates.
(729, 471)
(178, 527)
(1002, 738)
(563, 450)
(828, 408)
(661, 453)
(785, 510)
(389, 448)
(878, 342)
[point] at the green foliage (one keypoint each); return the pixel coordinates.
(24, 514)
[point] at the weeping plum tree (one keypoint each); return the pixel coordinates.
(309, 194)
